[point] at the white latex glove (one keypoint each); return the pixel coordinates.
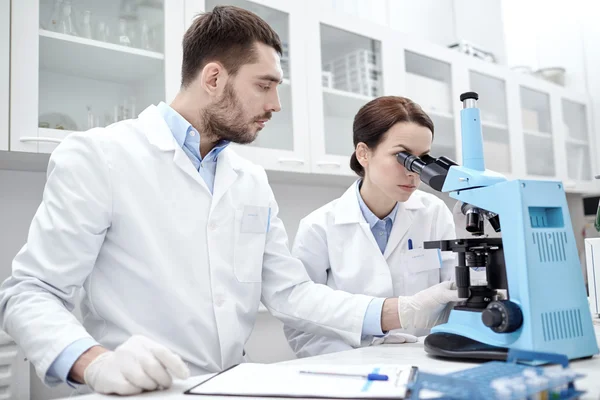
(394, 337)
(426, 309)
(138, 364)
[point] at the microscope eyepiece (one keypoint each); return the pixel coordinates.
(432, 171)
(410, 162)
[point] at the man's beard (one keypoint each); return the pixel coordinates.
(225, 119)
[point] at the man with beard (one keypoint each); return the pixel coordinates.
(174, 237)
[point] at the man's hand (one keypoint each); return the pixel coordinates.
(426, 308)
(138, 364)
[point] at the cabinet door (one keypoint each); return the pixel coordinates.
(538, 132)
(347, 66)
(283, 144)
(4, 71)
(82, 64)
(430, 80)
(14, 379)
(575, 120)
(494, 120)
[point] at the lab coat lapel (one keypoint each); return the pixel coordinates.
(156, 129)
(183, 162)
(226, 174)
(402, 223)
(347, 211)
(158, 133)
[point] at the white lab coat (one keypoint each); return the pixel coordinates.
(125, 215)
(338, 249)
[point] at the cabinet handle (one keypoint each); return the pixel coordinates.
(291, 161)
(329, 164)
(40, 139)
(569, 184)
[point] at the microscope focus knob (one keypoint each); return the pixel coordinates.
(502, 316)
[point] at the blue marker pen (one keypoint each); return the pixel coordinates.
(410, 246)
(369, 377)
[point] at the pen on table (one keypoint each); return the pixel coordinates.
(370, 377)
(410, 244)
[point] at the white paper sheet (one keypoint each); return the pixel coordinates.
(263, 380)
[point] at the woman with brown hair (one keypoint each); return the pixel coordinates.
(370, 240)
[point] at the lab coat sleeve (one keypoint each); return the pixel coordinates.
(298, 302)
(63, 242)
(445, 230)
(310, 247)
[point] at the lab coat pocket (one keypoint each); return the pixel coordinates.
(251, 225)
(422, 269)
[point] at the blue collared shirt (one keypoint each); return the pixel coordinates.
(189, 139)
(381, 228)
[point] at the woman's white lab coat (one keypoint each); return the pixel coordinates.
(126, 215)
(337, 247)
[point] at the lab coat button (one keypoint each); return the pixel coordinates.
(212, 226)
(219, 300)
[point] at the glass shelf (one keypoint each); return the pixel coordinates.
(429, 83)
(538, 131)
(350, 62)
(339, 109)
(496, 148)
(578, 162)
(351, 77)
(492, 105)
(444, 143)
(492, 98)
(535, 111)
(542, 164)
(575, 120)
(99, 62)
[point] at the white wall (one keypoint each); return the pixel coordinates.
(553, 39)
(439, 21)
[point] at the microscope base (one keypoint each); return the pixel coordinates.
(449, 345)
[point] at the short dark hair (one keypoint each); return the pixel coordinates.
(226, 34)
(375, 118)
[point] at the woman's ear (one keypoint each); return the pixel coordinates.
(362, 154)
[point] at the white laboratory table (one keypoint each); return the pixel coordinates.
(413, 354)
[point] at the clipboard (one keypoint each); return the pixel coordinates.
(286, 381)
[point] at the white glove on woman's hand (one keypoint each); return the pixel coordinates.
(394, 337)
(425, 309)
(138, 364)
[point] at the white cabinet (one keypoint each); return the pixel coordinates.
(430, 80)
(283, 144)
(491, 82)
(4, 71)
(14, 371)
(80, 64)
(345, 69)
(578, 143)
(333, 62)
(538, 132)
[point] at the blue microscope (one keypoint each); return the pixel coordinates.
(536, 259)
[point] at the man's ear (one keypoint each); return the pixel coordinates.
(212, 78)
